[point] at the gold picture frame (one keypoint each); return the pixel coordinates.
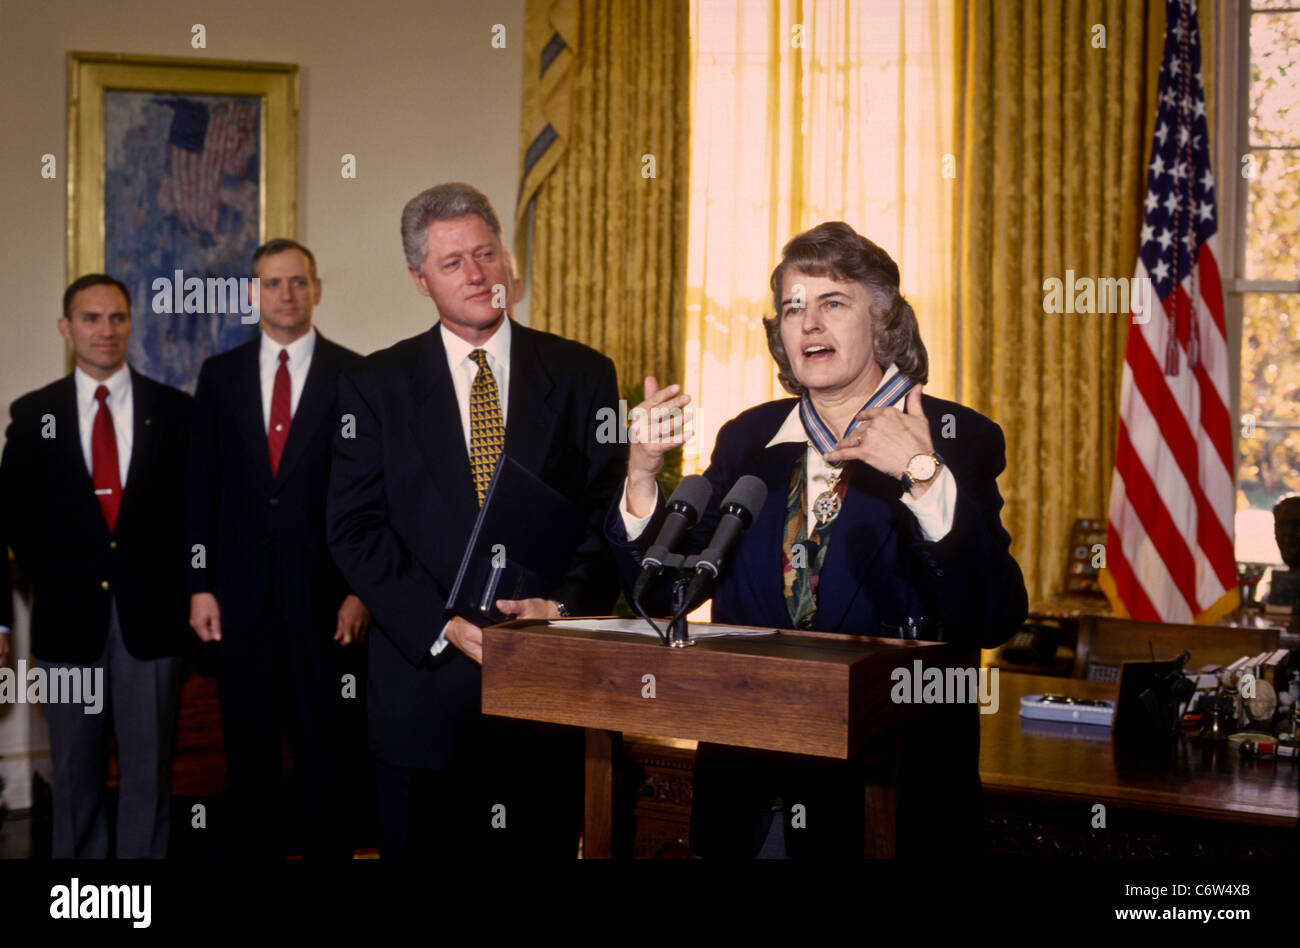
(92, 76)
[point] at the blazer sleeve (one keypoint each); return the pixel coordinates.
(20, 482)
(203, 482)
(972, 578)
(407, 602)
(590, 587)
(629, 553)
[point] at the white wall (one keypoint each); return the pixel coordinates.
(413, 88)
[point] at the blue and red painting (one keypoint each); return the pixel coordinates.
(182, 192)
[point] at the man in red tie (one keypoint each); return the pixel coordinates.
(91, 484)
(267, 590)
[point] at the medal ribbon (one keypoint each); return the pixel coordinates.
(893, 391)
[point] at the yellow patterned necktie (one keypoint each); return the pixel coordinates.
(487, 432)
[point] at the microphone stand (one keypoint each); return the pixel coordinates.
(678, 634)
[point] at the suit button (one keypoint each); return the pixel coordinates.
(938, 572)
(112, 544)
(273, 501)
(104, 584)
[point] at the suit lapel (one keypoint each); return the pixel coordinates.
(438, 431)
(67, 419)
(318, 394)
(144, 440)
(762, 551)
(247, 408)
(867, 521)
(531, 418)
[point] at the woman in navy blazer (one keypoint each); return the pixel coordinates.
(882, 508)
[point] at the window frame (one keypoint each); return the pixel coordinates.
(1232, 62)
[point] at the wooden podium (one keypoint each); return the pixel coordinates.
(810, 693)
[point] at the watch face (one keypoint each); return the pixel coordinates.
(921, 467)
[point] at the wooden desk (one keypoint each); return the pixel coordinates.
(1043, 779)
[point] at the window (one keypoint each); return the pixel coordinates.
(1261, 175)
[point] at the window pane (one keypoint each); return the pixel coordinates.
(1275, 79)
(1273, 215)
(1270, 400)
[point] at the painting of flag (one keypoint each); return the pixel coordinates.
(182, 192)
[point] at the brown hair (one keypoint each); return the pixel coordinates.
(836, 250)
(280, 245)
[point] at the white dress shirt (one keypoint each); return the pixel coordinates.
(268, 362)
(933, 510)
(122, 406)
(463, 371)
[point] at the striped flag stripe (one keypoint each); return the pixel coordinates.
(1153, 514)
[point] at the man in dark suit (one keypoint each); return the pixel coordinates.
(92, 485)
(403, 499)
(859, 533)
(266, 586)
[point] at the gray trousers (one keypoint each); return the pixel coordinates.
(140, 707)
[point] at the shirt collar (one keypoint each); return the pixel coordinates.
(498, 347)
(118, 383)
(299, 350)
(791, 430)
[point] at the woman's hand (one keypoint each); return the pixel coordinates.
(887, 438)
(659, 424)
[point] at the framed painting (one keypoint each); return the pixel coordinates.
(180, 168)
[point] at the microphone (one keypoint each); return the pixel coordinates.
(684, 508)
(739, 508)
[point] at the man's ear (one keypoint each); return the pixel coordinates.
(65, 328)
(420, 283)
(316, 289)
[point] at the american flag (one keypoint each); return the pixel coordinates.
(202, 145)
(1169, 550)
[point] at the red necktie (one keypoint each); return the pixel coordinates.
(103, 458)
(278, 432)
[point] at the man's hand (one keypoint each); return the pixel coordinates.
(205, 617)
(4, 648)
(528, 608)
(887, 439)
(659, 424)
(467, 637)
(354, 620)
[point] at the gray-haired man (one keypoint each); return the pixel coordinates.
(403, 500)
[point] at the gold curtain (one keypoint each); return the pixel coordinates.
(804, 111)
(604, 190)
(1054, 135)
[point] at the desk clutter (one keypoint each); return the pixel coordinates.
(1253, 702)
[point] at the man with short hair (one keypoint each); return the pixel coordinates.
(433, 414)
(91, 484)
(266, 587)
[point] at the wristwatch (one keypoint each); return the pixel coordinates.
(562, 609)
(920, 469)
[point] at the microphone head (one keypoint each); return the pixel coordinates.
(748, 494)
(694, 493)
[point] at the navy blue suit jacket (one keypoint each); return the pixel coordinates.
(402, 505)
(62, 542)
(264, 535)
(879, 569)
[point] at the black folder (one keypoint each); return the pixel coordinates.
(523, 542)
